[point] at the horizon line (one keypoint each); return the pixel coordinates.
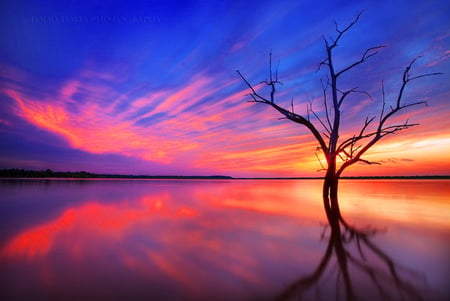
(24, 173)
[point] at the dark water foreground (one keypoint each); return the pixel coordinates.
(220, 240)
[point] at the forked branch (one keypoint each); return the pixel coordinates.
(367, 54)
(289, 114)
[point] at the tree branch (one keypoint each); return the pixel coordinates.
(341, 32)
(288, 114)
(367, 54)
(349, 92)
(310, 109)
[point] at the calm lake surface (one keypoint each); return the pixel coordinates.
(219, 240)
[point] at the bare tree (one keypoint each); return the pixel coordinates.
(341, 154)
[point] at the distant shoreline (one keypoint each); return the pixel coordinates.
(21, 173)
(39, 174)
(436, 177)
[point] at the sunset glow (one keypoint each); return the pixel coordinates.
(156, 91)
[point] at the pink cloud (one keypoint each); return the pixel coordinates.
(205, 123)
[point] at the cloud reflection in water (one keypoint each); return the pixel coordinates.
(196, 240)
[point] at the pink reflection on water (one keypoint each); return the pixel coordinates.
(39, 240)
(197, 239)
(92, 218)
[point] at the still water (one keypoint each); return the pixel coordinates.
(220, 240)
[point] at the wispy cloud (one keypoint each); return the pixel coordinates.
(182, 104)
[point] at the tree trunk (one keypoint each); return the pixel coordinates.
(330, 193)
(331, 204)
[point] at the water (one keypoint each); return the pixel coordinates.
(220, 240)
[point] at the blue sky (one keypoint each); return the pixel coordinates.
(151, 87)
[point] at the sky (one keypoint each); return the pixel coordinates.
(151, 88)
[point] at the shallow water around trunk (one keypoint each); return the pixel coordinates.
(219, 240)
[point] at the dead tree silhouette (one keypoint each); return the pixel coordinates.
(341, 154)
(356, 257)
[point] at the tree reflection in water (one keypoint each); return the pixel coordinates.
(362, 271)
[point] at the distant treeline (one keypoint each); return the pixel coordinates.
(23, 173)
(48, 173)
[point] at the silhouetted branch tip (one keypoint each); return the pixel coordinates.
(369, 162)
(366, 55)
